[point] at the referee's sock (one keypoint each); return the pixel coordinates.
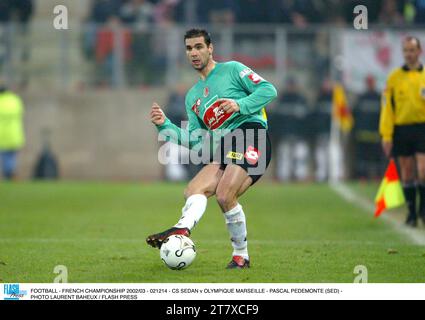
(410, 195)
(421, 188)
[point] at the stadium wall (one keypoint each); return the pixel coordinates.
(95, 135)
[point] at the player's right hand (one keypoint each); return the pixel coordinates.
(387, 146)
(157, 115)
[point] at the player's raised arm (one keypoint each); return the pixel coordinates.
(186, 137)
(157, 115)
(261, 91)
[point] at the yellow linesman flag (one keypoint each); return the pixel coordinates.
(390, 194)
(340, 109)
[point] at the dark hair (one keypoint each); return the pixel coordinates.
(410, 38)
(195, 33)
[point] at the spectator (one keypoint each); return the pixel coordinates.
(106, 55)
(15, 38)
(175, 170)
(334, 16)
(5, 16)
(219, 11)
(289, 125)
(390, 13)
(420, 11)
(103, 10)
(165, 11)
(180, 11)
(139, 14)
(301, 12)
(11, 130)
(175, 106)
(5, 11)
(24, 10)
(305, 12)
(368, 156)
(322, 116)
(283, 12)
(255, 11)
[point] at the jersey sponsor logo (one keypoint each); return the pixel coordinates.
(234, 155)
(245, 72)
(206, 92)
(252, 155)
(214, 116)
(255, 78)
(196, 106)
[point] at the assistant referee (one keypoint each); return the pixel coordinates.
(402, 125)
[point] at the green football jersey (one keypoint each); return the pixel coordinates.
(229, 80)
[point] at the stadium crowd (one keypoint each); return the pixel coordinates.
(298, 13)
(20, 10)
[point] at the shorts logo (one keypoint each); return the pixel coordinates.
(255, 78)
(234, 155)
(214, 116)
(206, 92)
(252, 155)
(195, 107)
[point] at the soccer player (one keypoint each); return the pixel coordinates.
(402, 125)
(229, 98)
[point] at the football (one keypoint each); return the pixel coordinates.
(178, 252)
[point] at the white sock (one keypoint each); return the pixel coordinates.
(236, 224)
(192, 211)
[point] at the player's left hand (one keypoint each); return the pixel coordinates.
(229, 105)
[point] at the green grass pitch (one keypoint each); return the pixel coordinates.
(296, 233)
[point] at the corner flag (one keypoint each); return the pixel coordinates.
(341, 112)
(390, 194)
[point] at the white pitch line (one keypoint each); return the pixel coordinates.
(416, 236)
(217, 242)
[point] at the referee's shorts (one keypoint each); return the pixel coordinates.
(409, 140)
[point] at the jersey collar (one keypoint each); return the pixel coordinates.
(209, 74)
(406, 68)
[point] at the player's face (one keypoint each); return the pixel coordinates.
(411, 52)
(198, 52)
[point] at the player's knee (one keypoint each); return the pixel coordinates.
(421, 172)
(421, 175)
(407, 175)
(226, 200)
(190, 191)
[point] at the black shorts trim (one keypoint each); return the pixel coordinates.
(409, 140)
(247, 146)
